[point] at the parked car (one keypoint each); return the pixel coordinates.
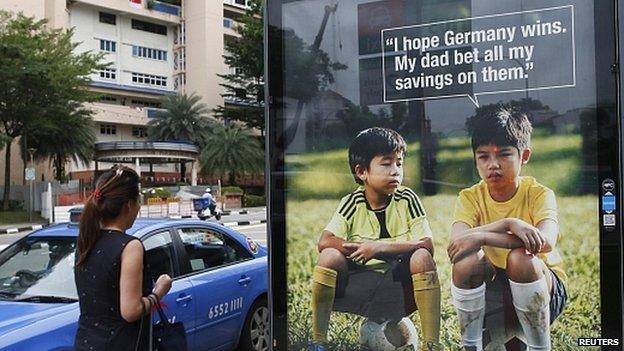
(219, 288)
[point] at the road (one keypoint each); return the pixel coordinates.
(257, 232)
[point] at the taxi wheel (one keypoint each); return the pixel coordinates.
(255, 335)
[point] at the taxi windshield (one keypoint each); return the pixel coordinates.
(39, 269)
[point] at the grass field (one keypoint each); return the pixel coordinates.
(555, 162)
(579, 247)
(320, 179)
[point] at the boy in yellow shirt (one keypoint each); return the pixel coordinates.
(376, 253)
(503, 240)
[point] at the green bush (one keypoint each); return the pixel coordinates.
(14, 205)
(254, 201)
(161, 193)
(231, 190)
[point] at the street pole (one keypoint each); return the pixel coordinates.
(31, 151)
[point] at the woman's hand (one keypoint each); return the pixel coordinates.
(163, 285)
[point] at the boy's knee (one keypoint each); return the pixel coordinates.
(332, 258)
(421, 261)
(470, 272)
(522, 267)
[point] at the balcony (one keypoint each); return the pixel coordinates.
(228, 27)
(163, 7)
(120, 114)
(234, 7)
(238, 3)
(164, 13)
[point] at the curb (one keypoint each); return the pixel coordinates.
(241, 223)
(22, 229)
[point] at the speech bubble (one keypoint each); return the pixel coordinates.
(493, 54)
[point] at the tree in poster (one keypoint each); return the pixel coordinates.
(43, 80)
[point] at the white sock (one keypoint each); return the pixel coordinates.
(470, 306)
(531, 301)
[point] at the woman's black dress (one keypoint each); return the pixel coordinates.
(101, 326)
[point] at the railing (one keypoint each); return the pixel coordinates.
(164, 7)
(236, 3)
(152, 112)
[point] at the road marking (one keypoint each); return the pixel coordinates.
(2, 247)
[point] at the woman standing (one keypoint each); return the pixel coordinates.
(114, 288)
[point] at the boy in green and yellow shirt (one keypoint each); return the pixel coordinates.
(376, 253)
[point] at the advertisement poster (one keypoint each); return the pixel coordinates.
(445, 183)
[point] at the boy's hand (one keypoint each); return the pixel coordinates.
(531, 236)
(363, 252)
(464, 245)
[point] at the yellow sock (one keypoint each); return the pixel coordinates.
(323, 292)
(427, 297)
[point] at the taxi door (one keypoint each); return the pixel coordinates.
(220, 284)
(179, 304)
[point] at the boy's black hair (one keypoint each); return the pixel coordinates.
(373, 142)
(502, 125)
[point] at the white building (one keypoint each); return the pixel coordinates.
(154, 49)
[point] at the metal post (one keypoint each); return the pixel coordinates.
(31, 201)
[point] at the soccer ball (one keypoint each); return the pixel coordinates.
(389, 335)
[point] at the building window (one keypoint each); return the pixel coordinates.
(227, 23)
(108, 73)
(108, 18)
(149, 79)
(108, 99)
(240, 2)
(108, 129)
(108, 45)
(139, 132)
(154, 54)
(146, 103)
(149, 27)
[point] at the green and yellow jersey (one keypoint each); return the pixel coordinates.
(403, 219)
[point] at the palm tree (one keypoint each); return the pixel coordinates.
(184, 118)
(68, 138)
(232, 152)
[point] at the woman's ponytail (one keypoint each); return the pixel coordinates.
(89, 229)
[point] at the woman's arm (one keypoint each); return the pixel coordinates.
(131, 282)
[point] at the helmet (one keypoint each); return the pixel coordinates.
(208, 190)
(389, 335)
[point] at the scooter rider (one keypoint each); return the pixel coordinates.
(212, 204)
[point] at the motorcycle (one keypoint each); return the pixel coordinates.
(206, 208)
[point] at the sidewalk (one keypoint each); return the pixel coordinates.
(19, 227)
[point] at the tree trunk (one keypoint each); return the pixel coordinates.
(59, 170)
(182, 171)
(7, 177)
(231, 178)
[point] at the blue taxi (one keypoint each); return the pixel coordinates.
(219, 288)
